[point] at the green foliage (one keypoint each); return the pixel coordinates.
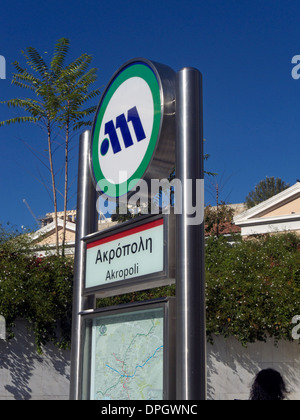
(253, 287)
(60, 91)
(156, 293)
(35, 289)
(264, 190)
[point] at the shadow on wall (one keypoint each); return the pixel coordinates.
(231, 367)
(26, 375)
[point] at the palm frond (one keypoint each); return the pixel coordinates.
(77, 68)
(81, 124)
(28, 105)
(25, 80)
(18, 120)
(61, 51)
(37, 63)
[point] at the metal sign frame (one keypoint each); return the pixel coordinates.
(186, 117)
(138, 282)
(169, 315)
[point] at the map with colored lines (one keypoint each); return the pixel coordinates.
(127, 356)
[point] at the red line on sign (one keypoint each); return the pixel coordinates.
(128, 232)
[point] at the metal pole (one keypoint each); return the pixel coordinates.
(86, 222)
(190, 279)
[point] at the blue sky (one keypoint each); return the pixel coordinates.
(242, 48)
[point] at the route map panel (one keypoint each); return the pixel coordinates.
(127, 356)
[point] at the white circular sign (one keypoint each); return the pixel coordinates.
(126, 129)
(121, 166)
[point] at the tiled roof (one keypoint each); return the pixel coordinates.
(226, 228)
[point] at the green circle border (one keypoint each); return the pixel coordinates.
(147, 74)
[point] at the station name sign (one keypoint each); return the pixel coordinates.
(130, 256)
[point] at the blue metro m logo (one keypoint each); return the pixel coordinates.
(122, 123)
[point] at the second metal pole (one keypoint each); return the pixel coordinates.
(86, 222)
(190, 280)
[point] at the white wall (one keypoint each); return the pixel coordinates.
(25, 375)
(231, 367)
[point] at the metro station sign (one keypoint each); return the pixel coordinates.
(133, 135)
(131, 256)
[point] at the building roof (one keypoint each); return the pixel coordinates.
(46, 237)
(277, 214)
(226, 228)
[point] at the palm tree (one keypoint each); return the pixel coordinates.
(60, 93)
(73, 83)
